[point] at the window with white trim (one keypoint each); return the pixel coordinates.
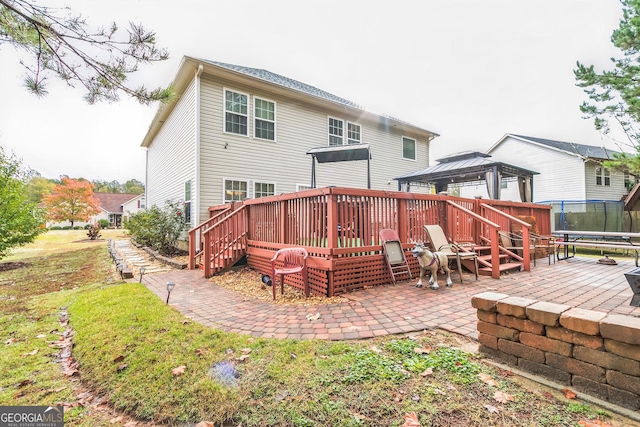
(336, 132)
(354, 133)
(603, 176)
(236, 109)
(264, 119)
(187, 202)
(302, 187)
(234, 190)
(408, 148)
(263, 189)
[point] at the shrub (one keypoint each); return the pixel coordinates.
(158, 228)
(94, 232)
(103, 223)
(55, 227)
(87, 226)
(77, 227)
(67, 227)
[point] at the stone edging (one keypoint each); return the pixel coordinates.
(161, 258)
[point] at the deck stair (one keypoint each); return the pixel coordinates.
(508, 262)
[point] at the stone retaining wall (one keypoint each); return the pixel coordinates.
(595, 353)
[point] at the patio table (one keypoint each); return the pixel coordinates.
(596, 239)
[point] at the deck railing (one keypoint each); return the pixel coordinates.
(225, 242)
(196, 240)
(340, 226)
(505, 220)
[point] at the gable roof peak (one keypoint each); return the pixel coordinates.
(572, 148)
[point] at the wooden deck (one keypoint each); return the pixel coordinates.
(339, 227)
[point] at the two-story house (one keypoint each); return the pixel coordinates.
(238, 132)
(567, 171)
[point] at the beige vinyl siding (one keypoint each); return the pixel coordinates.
(615, 191)
(561, 175)
(300, 127)
(171, 157)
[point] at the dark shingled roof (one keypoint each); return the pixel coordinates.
(284, 81)
(112, 202)
(573, 148)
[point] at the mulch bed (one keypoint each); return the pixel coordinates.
(248, 282)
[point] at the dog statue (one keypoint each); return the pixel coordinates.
(432, 261)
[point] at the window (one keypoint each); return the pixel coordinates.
(504, 183)
(302, 187)
(234, 191)
(336, 132)
(603, 176)
(354, 134)
(630, 180)
(265, 119)
(408, 148)
(236, 107)
(263, 189)
(187, 202)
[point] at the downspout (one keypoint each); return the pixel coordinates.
(196, 203)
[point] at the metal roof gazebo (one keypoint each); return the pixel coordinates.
(470, 167)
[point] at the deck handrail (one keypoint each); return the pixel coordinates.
(237, 239)
(193, 253)
(493, 230)
(526, 262)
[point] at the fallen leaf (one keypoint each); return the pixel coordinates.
(324, 357)
(205, 424)
(506, 373)
(121, 367)
(118, 359)
(492, 409)
(229, 351)
(199, 352)
(487, 379)
(423, 350)
(131, 424)
(179, 370)
(10, 341)
(293, 355)
(186, 322)
(41, 336)
(25, 382)
(117, 419)
(427, 372)
(69, 372)
(313, 316)
(250, 340)
(375, 349)
(411, 420)
(243, 357)
(593, 423)
(246, 350)
(569, 394)
(502, 397)
(547, 395)
(31, 353)
(415, 398)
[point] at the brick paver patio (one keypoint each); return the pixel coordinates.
(384, 310)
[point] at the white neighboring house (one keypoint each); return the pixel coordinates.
(114, 207)
(567, 171)
(238, 132)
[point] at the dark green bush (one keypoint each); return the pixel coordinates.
(67, 227)
(103, 223)
(55, 227)
(78, 227)
(88, 226)
(158, 228)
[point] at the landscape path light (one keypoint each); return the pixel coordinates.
(142, 270)
(170, 286)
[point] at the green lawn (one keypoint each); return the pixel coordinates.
(128, 344)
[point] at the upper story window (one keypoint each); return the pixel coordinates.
(603, 176)
(354, 133)
(264, 189)
(336, 132)
(236, 107)
(408, 148)
(265, 119)
(235, 191)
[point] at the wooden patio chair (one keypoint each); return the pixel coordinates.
(394, 254)
(294, 260)
(439, 243)
(514, 242)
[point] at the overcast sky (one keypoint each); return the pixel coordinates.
(469, 70)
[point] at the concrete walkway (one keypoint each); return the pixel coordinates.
(384, 310)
